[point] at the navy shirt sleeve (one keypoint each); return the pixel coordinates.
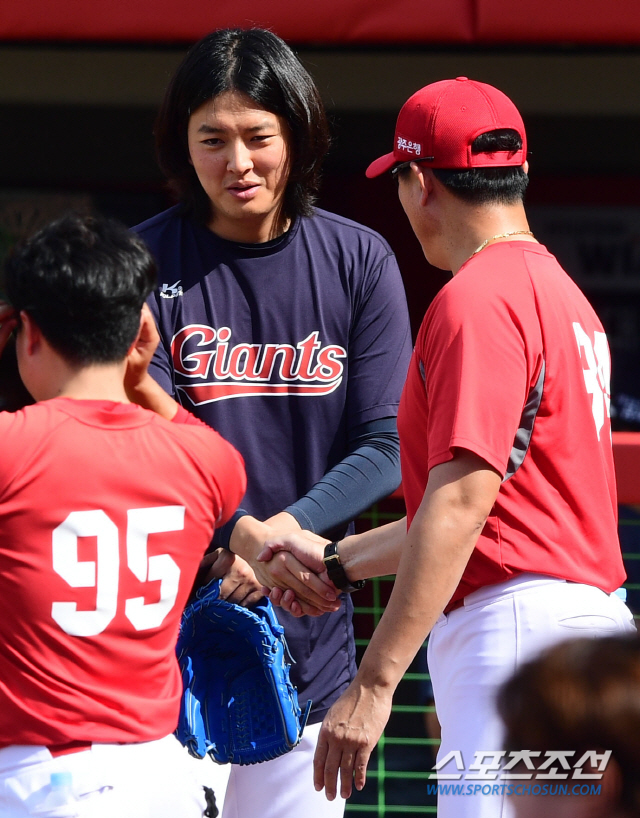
(368, 473)
(379, 345)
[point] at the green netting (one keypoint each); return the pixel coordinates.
(399, 768)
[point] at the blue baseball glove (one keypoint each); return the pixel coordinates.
(238, 703)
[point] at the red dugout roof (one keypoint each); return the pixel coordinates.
(328, 22)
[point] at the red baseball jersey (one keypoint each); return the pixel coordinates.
(512, 363)
(105, 512)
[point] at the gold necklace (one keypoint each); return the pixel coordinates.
(502, 236)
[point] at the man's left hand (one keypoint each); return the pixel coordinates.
(350, 731)
(239, 583)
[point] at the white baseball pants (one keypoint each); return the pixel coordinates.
(476, 647)
(282, 788)
(147, 780)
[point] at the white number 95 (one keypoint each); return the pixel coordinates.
(103, 574)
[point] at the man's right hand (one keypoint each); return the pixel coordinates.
(307, 547)
(314, 595)
(8, 322)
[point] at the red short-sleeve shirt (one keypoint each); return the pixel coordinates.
(105, 512)
(512, 363)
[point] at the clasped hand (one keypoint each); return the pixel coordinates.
(287, 568)
(296, 562)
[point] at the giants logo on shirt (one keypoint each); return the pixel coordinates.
(205, 354)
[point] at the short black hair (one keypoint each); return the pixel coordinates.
(83, 281)
(497, 185)
(259, 64)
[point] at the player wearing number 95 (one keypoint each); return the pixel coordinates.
(97, 557)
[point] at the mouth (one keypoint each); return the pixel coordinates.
(243, 190)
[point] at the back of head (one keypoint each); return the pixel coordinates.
(489, 185)
(470, 134)
(83, 281)
(583, 694)
(260, 65)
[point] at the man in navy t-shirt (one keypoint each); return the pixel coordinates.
(285, 328)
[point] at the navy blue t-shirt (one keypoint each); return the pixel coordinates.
(284, 348)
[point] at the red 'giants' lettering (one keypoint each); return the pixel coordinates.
(223, 370)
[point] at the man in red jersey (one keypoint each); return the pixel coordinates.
(98, 553)
(510, 541)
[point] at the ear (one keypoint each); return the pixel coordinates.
(134, 343)
(525, 167)
(32, 336)
(425, 179)
(609, 801)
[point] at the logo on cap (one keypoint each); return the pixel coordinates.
(407, 146)
(445, 118)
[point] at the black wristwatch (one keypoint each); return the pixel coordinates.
(336, 571)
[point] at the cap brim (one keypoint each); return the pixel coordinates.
(381, 165)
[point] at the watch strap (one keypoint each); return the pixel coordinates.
(336, 572)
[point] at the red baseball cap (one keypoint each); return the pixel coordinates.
(440, 121)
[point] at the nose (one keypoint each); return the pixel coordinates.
(239, 159)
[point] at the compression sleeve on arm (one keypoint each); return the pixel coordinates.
(369, 472)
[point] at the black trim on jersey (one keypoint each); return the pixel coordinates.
(525, 430)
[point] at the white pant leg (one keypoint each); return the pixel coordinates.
(210, 774)
(475, 648)
(147, 780)
(282, 788)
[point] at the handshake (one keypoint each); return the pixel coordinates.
(325, 579)
(298, 570)
(288, 567)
